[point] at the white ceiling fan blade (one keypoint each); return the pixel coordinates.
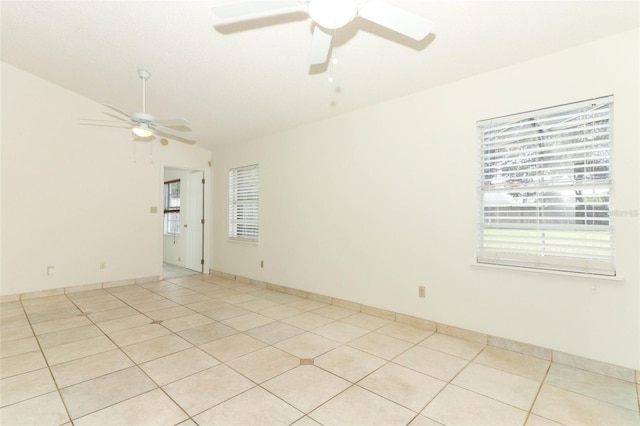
(123, 120)
(105, 125)
(98, 120)
(247, 10)
(396, 19)
(174, 122)
(320, 46)
(171, 133)
(116, 109)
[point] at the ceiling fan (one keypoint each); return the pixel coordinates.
(145, 125)
(328, 15)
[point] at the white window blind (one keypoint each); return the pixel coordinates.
(244, 197)
(545, 189)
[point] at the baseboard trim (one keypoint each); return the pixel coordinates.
(594, 366)
(76, 289)
(599, 367)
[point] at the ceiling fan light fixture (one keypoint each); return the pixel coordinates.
(333, 14)
(142, 130)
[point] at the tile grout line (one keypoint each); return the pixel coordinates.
(309, 295)
(272, 345)
(86, 314)
(469, 362)
(46, 360)
(533, 403)
(213, 274)
(260, 385)
(137, 365)
(243, 332)
(447, 384)
(256, 384)
(134, 363)
(83, 313)
(387, 362)
(390, 361)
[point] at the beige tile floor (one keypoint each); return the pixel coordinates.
(202, 350)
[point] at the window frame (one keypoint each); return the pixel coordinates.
(171, 212)
(244, 203)
(568, 224)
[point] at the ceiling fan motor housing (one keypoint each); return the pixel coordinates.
(143, 117)
(333, 14)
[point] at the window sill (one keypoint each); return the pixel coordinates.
(549, 272)
(243, 241)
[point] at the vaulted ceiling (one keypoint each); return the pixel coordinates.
(247, 80)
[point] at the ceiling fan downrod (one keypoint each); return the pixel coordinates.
(144, 76)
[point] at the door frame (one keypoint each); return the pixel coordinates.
(206, 232)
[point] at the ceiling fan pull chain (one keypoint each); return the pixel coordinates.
(334, 59)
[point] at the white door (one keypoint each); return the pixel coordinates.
(192, 197)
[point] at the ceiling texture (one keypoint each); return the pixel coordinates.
(247, 80)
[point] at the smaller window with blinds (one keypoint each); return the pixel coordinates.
(172, 207)
(545, 189)
(244, 203)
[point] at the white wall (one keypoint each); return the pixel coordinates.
(74, 196)
(369, 205)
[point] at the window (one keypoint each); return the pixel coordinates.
(244, 197)
(172, 207)
(545, 189)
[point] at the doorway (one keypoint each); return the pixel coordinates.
(183, 238)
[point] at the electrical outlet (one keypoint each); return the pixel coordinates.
(422, 291)
(51, 270)
(262, 263)
(103, 265)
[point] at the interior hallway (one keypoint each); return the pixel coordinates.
(170, 271)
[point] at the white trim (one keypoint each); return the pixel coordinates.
(549, 272)
(208, 212)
